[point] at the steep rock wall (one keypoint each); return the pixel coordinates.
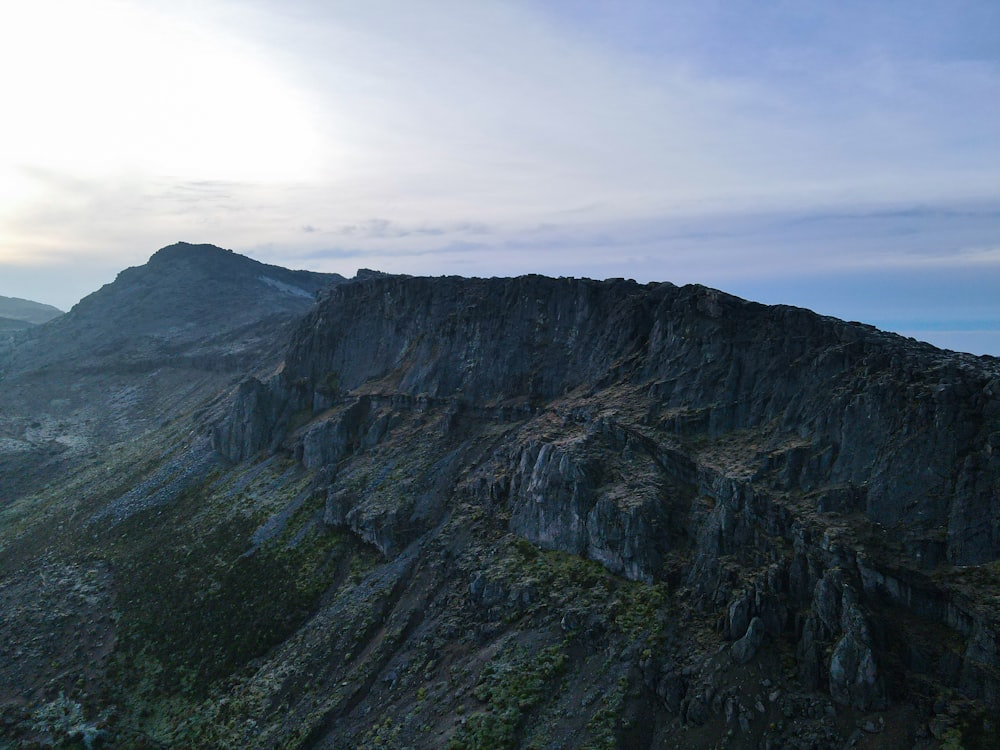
(797, 477)
(909, 432)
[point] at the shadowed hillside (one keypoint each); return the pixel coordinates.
(502, 513)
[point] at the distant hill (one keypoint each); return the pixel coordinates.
(26, 310)
(10, 325)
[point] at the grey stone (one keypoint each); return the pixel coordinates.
(744, 649)
(738, 615)
(854, 676)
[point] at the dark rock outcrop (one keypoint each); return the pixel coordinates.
(770, 460)
(746, 647)
(854, 675)
(865, 407)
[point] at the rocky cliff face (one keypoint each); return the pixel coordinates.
(808, 482)
(535, 512)
(899, 430)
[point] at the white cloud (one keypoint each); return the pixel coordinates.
(111, 86)
(679, 141)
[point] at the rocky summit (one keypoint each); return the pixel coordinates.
(160, 341)
(493, 513)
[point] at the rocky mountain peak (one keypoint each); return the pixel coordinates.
(192, 314)
(189, 291)
(189, 251)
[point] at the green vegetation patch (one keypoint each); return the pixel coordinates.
(633, 608)
(511, 686)
(603, 725)
(197, 604)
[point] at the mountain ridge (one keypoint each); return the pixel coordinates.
(36, 313)
(774, 364)
(186, 293)
(499, 513)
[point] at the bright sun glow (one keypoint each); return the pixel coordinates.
(106, 87)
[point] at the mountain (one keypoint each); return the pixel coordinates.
(144, 349)
(27, 311)
(530, 512)
(195, 299)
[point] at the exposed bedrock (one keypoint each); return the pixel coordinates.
(915, 432)
(801, 477)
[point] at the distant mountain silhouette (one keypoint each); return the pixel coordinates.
(27, 311)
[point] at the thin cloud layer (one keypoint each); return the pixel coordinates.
(732, 144)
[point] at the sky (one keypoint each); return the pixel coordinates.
(839, 156)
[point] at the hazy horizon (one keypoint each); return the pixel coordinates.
(842, 158)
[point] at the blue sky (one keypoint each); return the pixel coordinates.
(839, 156)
